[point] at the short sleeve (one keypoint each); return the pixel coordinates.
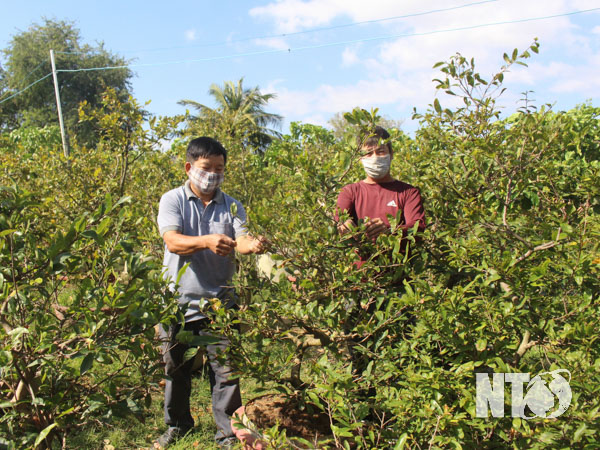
(169, 213)
(345, 202)
(239, 221)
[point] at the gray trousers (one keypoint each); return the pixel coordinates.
(225, 390)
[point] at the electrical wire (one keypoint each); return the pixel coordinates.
(34, 69)
(330, 44)
(24, 89)
(308, 47)
(27, 76)
(312, 30)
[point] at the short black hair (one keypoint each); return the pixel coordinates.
(203, 147)
(374, 137)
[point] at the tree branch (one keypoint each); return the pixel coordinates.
(544, 246)
(507, 202)
(525, 345)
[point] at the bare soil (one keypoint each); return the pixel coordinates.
(271, 409)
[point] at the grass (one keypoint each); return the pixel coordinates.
(133, 434)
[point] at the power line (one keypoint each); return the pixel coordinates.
(24, 78)
(24, 89)
(34, 69)
(308, 47)
(331, 44)
(312, 30)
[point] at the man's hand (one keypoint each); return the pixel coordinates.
(375, 227)
(220, 244)
(343, 228)
(260, 244)
(256, 245)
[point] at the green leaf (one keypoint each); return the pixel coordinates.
(5, 358)
(339, 431)
(181, 272)
(579, 432)
(189, 338)
(204, 340)
(481, 345)
(349, 118)
(86, 363)
(401, 442)
(437, 106)
(64, 413)
(127, 246)
(516, 423)
(6, 232)
(17, 334)
(93, 235)
(315, 399)
(103, 226)
(189, 354)
(44, 434)
(80, 224)
(125, 199)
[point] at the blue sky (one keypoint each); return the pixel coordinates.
(303, 51)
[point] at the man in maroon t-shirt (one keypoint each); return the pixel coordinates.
(373, 200)
(379, 195)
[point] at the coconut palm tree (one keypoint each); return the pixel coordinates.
(239, 113)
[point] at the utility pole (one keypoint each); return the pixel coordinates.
(63, 135)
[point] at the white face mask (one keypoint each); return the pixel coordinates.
(377, 167)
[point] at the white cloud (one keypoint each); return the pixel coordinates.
(191, 35)
(330, 99)
(563, 78)
(317, 119)
(349, 57)
(571, 79)
(294, 15)
(400, 70)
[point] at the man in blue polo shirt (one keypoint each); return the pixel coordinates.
(200, 228)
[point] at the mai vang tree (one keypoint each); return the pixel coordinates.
(81, 286)
(505, 278)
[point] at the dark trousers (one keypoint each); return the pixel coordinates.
(224, 389)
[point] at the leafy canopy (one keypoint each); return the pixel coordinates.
(28, 59)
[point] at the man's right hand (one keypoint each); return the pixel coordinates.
(375, 227)
(220, 244)
(344, 228)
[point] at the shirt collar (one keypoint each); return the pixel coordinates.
(217, 198)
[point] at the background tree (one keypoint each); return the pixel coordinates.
(342, 128)
(240, 114)
(8, 110)
(28, 59)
